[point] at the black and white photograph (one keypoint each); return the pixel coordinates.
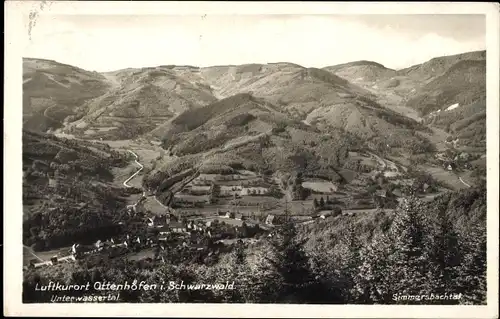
(326, 158)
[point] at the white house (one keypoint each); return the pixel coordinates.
(269, 219)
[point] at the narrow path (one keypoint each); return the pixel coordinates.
(460, 178)
(31, 252)
(156, 199)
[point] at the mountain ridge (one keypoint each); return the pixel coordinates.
(479, 52)
(132, 102)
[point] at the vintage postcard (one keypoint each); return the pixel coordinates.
(230, 159)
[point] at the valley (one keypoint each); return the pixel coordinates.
(179, 166)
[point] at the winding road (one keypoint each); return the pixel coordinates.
(125, 183)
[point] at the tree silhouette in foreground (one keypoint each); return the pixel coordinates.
(288, 278)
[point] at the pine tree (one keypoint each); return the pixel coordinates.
(445, 254)
(472, 273)
(409, 264)
(351, 261)
(372, 281)
(237, 270)
(290, 265)
(321, 202)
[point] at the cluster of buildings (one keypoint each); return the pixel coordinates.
(163, 228)
(169, 224)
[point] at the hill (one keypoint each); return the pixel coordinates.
(437, 66)
(53, 91)
(361, 71)
(113, 105)
(244, 132)
(387, 87)
(236, 132)
(463, 83)
(295, 89)
(423, 88)
(132, 102)
(314, 96)
(140, 100)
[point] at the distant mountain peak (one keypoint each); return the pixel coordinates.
(356, 63)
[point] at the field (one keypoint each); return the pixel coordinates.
(154, 206)
(256, 200)
(193, 198)
(348, 174)
(448, 177)
(320, 186)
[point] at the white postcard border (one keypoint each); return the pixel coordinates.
(15, 34)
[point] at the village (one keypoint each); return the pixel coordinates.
(163, 232)
(209, 215)
(177, 230)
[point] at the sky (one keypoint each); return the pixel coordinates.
(111, 42)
